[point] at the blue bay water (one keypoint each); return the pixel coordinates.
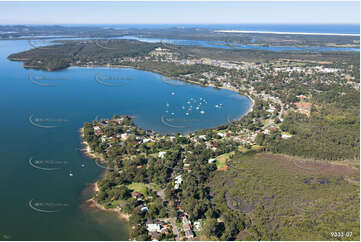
(80, 95)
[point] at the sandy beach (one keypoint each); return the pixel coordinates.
(250, 108)
(94, 187)
(86, 149)
(92, 203)
(269, 32)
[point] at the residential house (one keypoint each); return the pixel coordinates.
(124, 136)
(136, 195)
(197, 226)
(154, 228)
(286, 136)
(212, 160)
(161, 154)
(178, 181)
(144, 209)
(220, 134)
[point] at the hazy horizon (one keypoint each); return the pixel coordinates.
(61, 13)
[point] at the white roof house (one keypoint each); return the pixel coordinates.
(202, 137)
(146, 140)
(178, 179)
(271, 110)
(161, 154)
(212, 160)
(197, 226)
(124, 136)
(153, 227)
(103, 138)
(286, 136)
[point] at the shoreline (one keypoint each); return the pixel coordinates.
(94, 186)
(280, 33)
(250, 108)
(91, 154)
(92, 203)
(87, 151)
(86, 148)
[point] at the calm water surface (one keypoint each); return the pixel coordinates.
(41, 116)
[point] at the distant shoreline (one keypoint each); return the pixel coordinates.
(272, 32)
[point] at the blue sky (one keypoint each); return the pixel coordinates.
(178, 12)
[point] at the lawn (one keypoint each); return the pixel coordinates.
(257, 147)
(243, 149)
(155, 187)
(138, 187)
(221, 160)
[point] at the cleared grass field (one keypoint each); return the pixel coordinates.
(221, 160)
(138, 187)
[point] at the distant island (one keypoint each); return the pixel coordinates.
(232, 37)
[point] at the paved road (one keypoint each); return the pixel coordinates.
(174, 226)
